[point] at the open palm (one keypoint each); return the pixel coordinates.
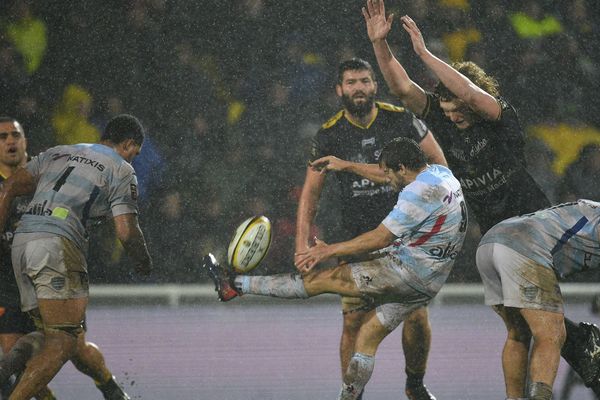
(378, 26)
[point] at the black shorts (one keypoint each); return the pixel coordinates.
(12, 320)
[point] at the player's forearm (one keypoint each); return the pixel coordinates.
(394, 74)
(369, 171)
(456, 82)
(307, 210)
(397, 79)
(5, 201)
(136, 248)
(376, 239)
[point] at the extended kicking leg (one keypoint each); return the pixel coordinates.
(289, 286)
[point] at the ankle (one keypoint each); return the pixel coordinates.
(540, 391)
(414, 378)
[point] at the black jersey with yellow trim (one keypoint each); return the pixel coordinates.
(9, 293)
(364, 204)
(489, 161)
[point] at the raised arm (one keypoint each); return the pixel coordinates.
(332, 163)
(473, 96)
(398, 81)
(131, 237)
(20, 183)
(432, 150)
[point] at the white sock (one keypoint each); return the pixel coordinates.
(357, 375)
(286, 286)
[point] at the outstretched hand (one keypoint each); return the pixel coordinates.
(307, 259)
(328, 163)
(378, 26)
(415, 35)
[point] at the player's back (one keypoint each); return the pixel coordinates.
(76, 183)
(564, 237)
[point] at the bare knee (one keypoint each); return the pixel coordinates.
(418, 319)
(353, 322)
(517, 328)
(552, 334)
(65, 342)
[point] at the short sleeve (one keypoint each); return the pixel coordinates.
(420, 129)
(124, 194)
(318, 146)
(36, 164)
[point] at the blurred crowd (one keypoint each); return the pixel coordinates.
(231, 92)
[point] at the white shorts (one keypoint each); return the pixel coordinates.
(48, 268)
(514, 280)
(386, 286)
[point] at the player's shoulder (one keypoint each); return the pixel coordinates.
(331, 122)
(390, 107)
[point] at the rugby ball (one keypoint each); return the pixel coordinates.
(250, 244)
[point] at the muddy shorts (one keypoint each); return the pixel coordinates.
(385, 287)
(48, 268)
(514, 280)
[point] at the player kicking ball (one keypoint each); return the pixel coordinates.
(407, 258)
(520, 260)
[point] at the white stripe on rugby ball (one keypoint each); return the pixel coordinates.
(249, 244)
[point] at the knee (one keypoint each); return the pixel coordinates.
(353, 322)
(552, 334)
(34, 339)
(418, 319)
(519, 333)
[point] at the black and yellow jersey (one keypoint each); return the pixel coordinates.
(363, 203)
(489, 161)
(9, 293)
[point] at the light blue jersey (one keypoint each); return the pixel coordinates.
(565, 237)
(75, 184)
(430, 221)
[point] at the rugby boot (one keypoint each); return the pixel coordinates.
(418, 392)
(223, 282)
(112, 391)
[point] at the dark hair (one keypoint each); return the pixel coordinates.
(354, 64)
(476, 75)
(123, 127)
(5, 118)
(402, 151)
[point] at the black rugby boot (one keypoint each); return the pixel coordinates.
(223, 282)
(418, 392)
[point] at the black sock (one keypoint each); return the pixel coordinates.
(573, 331)
(414, 379)
(108, 387)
